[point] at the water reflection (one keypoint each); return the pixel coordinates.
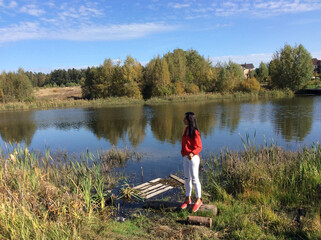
(167, 120)
(293, 121)
(287, 120)
(114, 124)
(17, 127)
(230, 114)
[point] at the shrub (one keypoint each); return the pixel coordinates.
(179, 87)
(192, 88)
(250, 85)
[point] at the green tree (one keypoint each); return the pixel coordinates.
(132, 72)
(157, 77)
(235, 75)
(177, 65)
(15, 86)
(291, 67)
(222, 83)
(262, 72)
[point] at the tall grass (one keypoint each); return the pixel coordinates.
(221, 96)
(121, 101)
(274, 193)
(43, 199)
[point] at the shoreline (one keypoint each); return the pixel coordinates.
(267, 193)
(46, 104)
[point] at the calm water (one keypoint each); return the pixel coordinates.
(155, 131)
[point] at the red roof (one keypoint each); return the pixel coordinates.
(315, 61)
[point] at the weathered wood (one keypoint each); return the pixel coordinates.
(177, 179)
(158, 192)
(177, 206)
(145, 184)
(151, 188)
(208, 208)
(196, 220)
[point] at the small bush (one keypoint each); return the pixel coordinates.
(192, 88)
(250, 85)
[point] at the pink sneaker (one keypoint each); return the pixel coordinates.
(197, 206)
(185, 204)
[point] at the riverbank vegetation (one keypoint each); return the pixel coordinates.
(173, 74)
(267, 192)
(57, 198)
(63, 100)
(264, 192)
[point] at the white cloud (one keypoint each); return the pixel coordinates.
(11, 5)
(112, 32)
(256, 58)
(316, 55)
(257, 8)
(33, 30)
(178, 5)
(32, 9)
(22, 31)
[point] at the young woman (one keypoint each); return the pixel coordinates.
(191, 147)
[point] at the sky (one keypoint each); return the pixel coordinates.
(41, 36)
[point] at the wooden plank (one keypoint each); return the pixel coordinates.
(158, 192)
(177, 179)
(156, 189)
(148, 183)
(140, 186)
(144, 194)
(155, 180)
(151, 188)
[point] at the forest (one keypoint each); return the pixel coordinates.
(175, 73)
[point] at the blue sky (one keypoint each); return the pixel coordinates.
(45, 35)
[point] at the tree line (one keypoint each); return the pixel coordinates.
(176, 72)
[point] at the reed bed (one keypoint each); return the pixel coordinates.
(266, 192)
(121, 101)
(41, 198)
(70, 103)
(221, 96)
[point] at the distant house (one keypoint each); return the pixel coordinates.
(317, 65)
(247, 68)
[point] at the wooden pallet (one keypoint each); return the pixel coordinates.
(153, 188)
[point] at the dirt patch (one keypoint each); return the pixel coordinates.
(58, 93)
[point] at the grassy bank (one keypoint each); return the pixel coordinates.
(44, 198)
(222, 96)
(267, 193)
(261, 193)
(66, 102)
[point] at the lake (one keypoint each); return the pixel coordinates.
(155, 131)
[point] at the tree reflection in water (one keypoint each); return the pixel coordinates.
(230, 115)
(167, 120)
(17, 126)
(117, 123)
(293, 119)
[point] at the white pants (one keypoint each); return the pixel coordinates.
(191, 168)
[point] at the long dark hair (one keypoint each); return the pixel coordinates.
(192, 123)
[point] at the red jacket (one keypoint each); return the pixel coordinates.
(191, 145)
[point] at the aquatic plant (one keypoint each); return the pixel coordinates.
(43, 198)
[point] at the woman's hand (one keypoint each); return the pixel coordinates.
(190, 156)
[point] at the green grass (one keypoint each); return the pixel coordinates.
(43, 198)
(124, 101)
(221, 96)
(259, 193)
